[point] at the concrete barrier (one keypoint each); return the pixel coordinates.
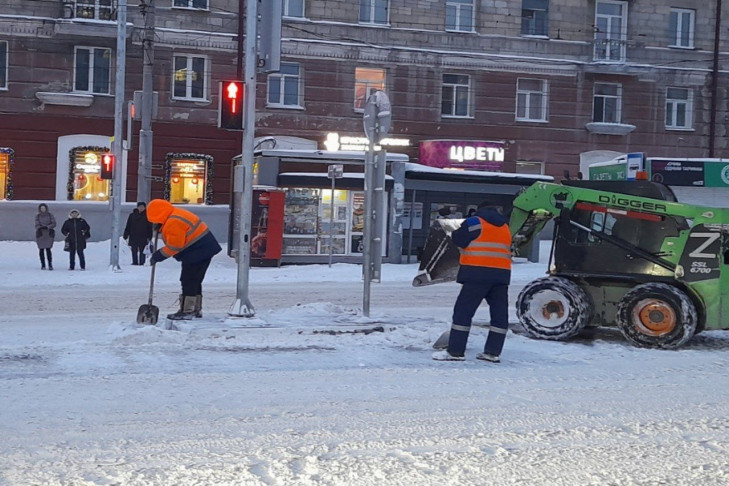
(17, 218)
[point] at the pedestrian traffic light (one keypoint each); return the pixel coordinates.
(230, 108)
(107, 166)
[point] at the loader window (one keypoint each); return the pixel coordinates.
(601, 222)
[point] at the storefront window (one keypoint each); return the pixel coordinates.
(5, 159)
(188, 180)
(307, 222)
(85, 174)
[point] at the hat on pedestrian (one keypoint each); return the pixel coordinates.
(70, 213)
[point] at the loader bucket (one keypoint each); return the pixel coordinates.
(440, 259)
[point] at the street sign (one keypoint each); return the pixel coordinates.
(336, 171)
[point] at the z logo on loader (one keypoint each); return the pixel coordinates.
(700, 258)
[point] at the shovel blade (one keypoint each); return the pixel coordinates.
(442, 341)
(147, 314)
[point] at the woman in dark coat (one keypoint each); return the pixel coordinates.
(138, 233)
(77, 231)
(45, 224)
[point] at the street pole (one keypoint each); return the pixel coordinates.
(331, 225)
(117, 145)
(377, 119)
(144, 170)
(242, 306)
(334, 172)
(714, 81)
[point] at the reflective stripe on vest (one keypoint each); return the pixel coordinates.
(492, 247)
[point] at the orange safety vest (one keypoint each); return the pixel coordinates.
(180, 228)
(492, 247)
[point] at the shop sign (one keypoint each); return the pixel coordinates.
(677, 172)
(336, 142)
(462, 154)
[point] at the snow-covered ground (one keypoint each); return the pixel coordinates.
(310, 392)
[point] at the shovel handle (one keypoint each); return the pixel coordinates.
(151, 279)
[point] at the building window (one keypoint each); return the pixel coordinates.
(610, 30)
(682, 27)
(456, 95)
(607, 101)
(293, 8)
(3, 65)
(284, 87)
(531, 99)
(535, 17)
(201, 4)
(85, 179)
(459, 15)
(373, 11)
(93, 66)
(367, 81)
(529, 167)
(679, 108)
(95, 9)
(189, 78)
(6, 168)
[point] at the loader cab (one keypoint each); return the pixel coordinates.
(579, 252)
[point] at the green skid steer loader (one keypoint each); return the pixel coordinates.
(625, 254)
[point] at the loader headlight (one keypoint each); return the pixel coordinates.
(678, 273)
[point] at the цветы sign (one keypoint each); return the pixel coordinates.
(462, 154)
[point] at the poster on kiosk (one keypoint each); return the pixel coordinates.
(267, 219)
(267, 214)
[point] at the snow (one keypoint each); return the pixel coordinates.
(311, 392)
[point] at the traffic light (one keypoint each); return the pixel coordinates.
(107, 166)
(230, 108)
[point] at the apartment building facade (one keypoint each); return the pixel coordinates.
(517, 86)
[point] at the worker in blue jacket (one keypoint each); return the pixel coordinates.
(485, 274)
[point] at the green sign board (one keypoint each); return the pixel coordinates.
(716, 174)
(612, 172)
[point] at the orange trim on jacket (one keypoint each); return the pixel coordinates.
(180, 228)
(492, 247)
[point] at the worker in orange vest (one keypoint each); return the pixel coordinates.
(189, 241)
(485, 273)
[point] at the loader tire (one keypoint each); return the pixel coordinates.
(657, 315)
(553, 308)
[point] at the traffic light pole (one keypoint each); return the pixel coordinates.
(242, 306)
(117, 144)
(144, 170)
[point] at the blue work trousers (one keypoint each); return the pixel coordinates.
(470, 297)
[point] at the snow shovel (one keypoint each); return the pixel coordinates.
(148, 313)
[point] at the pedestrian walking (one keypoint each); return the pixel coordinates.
(77, 231)
(187, 239)
(138, 233)
(45, 232)
(484, 274)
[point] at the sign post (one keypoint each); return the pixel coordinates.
(336, 171)
(377, 119)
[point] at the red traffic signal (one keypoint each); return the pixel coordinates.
(107, 166)
(230, 107)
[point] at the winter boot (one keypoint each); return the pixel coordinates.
(186, 310)
(198, 306)
(488, 357)
(444, 355)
